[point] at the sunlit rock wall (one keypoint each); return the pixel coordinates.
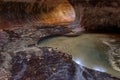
(22, 12)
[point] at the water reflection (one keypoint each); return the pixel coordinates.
(87, 50)
(78, 61)
(97, 68)
(101, 69)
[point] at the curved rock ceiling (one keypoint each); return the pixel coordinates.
(63, 13)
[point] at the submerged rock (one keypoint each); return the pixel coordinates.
(114, 53)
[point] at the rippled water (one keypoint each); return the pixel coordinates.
(86, 49)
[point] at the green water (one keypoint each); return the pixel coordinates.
(86, 49)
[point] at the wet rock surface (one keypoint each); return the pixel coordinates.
(21, 59)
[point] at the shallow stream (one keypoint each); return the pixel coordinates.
(86, 49)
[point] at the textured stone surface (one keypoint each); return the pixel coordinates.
(97, 16)
(21, 37)
(17, 42)
(114, 52)
(19, 12)
(41, 64)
